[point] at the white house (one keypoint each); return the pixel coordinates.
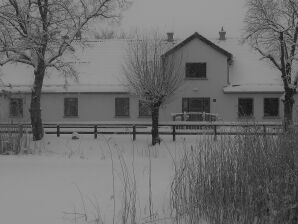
(222, 76)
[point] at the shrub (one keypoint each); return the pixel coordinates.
(241, 179)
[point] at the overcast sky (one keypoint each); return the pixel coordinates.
(185, 17)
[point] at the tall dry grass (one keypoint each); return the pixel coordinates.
(242, 179)
(14, 139)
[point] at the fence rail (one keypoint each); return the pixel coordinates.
(173, 128)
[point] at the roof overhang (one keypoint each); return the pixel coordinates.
(203, 39)
(254, 89)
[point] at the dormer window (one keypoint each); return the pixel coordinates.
(196, 70)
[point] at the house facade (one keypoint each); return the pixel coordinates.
(221, 76)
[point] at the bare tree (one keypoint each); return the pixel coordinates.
(272, 30)
(39, 32)
(152, 76)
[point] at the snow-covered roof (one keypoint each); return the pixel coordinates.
(100, 69)
(254, 88)
(71, 88)
(99, 66)
(248, 73)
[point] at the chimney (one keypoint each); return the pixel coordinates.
(170, 36)
(222, 34)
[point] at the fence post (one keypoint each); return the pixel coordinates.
(95, 131)
(20, 135)
(58, 130)
(215, 133)
(264, 130)
(174, 133)
(134, 132)
(21, 130)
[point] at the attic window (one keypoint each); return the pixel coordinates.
(16, 107)
(196, 70)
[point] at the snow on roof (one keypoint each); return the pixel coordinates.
(72, 88)
(247, 67)
(99, 65)
(100, 69)
(254, 88)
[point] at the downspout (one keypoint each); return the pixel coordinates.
(229, 63)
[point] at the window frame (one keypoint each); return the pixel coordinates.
(200, 76)
(66, 114)
(264, 110)
(140, 104)
(252, 107)
(116, 106)
(20, 113)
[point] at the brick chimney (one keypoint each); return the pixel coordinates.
(170, 36)
(222, 34)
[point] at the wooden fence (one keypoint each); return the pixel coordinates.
(174, 128)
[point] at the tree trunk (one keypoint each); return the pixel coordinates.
(155, 117)
(288, 108)
(35, 110)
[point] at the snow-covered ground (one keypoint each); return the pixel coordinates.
(70, 176)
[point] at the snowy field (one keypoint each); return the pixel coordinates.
(65, 177)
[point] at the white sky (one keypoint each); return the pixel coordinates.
(184, 17)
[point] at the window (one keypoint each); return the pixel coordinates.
(144, 109)
(196, 105)
(271, 107)
(70, 107)
(122, 107)
(245, 107)
(16, 107)
(195, 70)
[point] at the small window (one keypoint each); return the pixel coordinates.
(70, 107)
(122, 107)
(271, 107)
(16, 107)
(196, 70)
(245, 107)
(144, 109)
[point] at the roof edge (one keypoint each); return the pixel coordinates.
(203, 39)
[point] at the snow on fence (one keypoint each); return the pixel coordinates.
(173, 128)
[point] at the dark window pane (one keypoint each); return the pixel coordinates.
(144, 109)
(245, 107)
(71, 107)
(16, 107)
(271, 107)
(195, 70)
(122, 107)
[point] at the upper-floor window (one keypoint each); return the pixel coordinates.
(122, 107)
(245, 107)
(271, 107)
(144, 109)
(196, 70)
(16, 107)
(71, 107)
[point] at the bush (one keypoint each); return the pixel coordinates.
(243, 179)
